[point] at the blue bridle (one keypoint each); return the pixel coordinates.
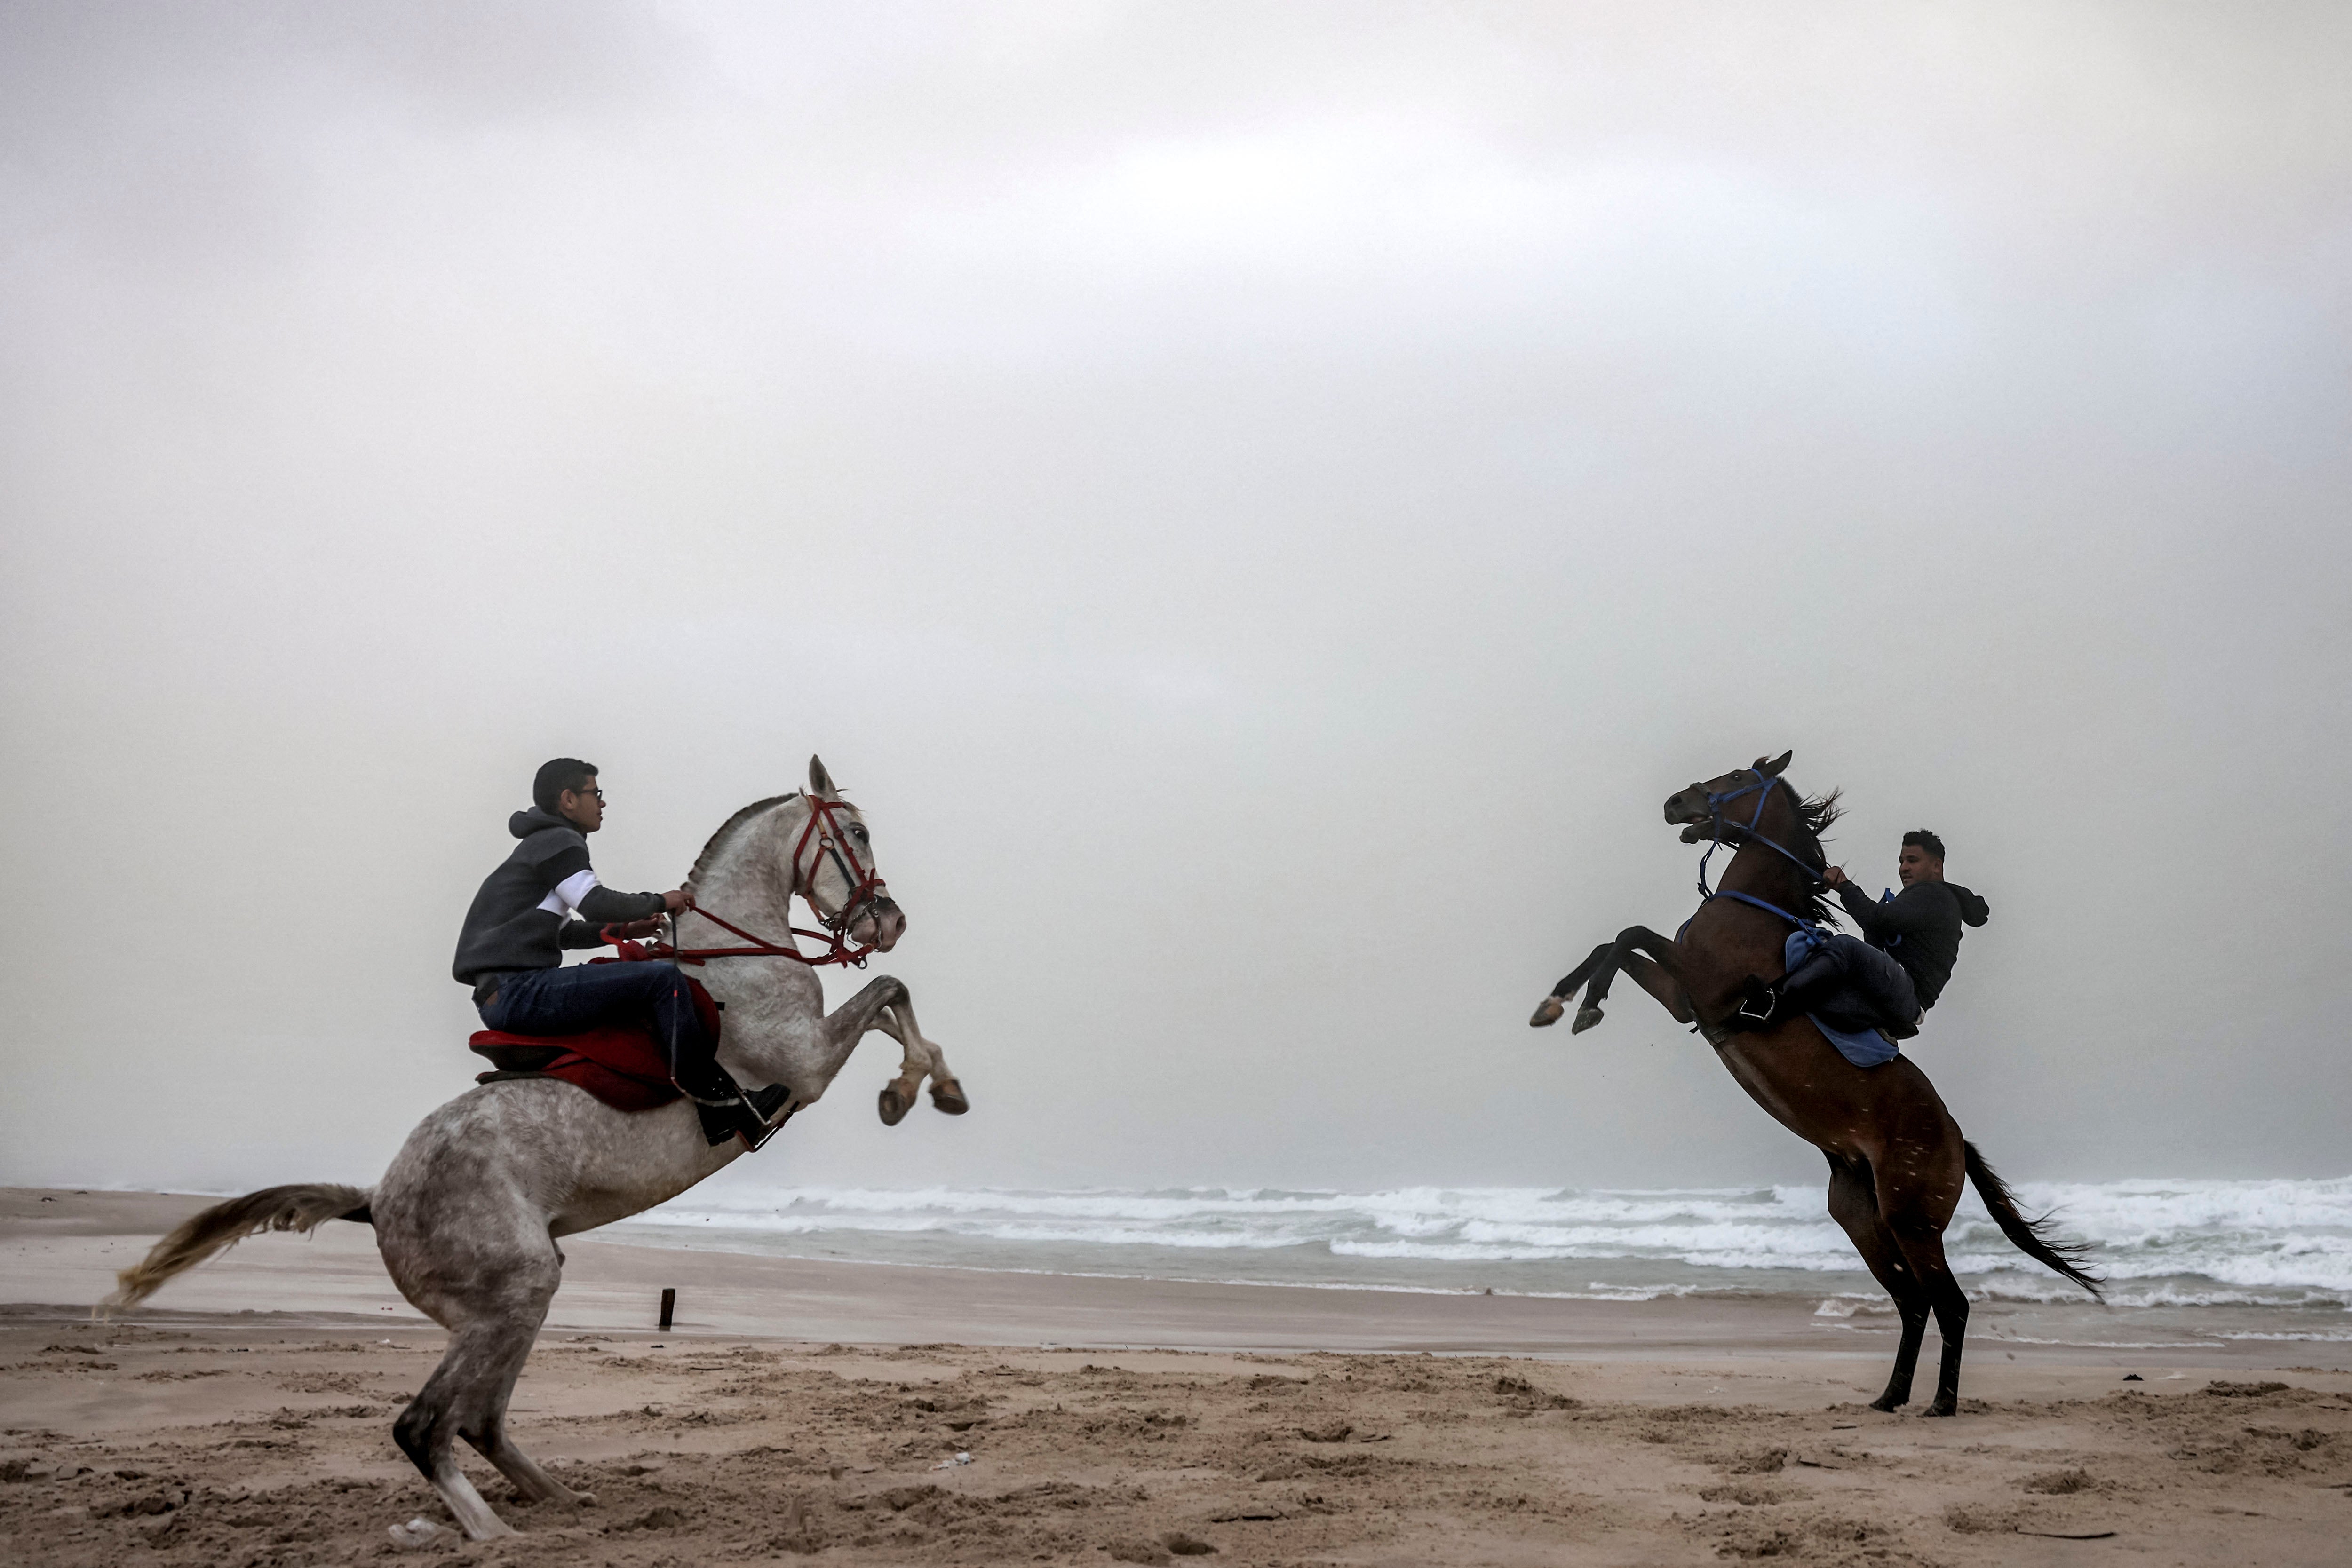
(1763, 789)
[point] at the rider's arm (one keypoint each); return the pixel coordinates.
(602, 905)
(598, 905)
(1919, 907)
(594, 902)
(579, 934)
(1867, 912)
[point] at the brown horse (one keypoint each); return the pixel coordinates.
(1897, 1157)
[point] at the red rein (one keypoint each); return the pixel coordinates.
(864, 885)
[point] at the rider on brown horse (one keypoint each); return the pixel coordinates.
(542, 899)
(1889, 976)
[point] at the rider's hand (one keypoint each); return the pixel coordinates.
(677, 900)
(1834, 876)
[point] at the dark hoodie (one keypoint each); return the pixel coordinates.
(510, 924)
(1919, 926)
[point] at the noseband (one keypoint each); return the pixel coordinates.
(867, 890)
(1763, 789)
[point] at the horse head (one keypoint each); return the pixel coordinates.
(833, 867)
(1694, 809)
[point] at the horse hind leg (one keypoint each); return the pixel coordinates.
(490, 1339)
(1854, 1204)
(428, 1429)
(529, 1481)
(1923, 1248)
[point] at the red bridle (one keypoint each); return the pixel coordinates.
(866, 887)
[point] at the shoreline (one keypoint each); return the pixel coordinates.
(59, 1249)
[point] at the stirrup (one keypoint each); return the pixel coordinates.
(751, 1119)
(1757, 1005)
(765, 1104)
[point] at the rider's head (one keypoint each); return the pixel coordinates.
(1922, 859)
(566, 788)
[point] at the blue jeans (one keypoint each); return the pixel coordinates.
(586, 996)
(1852, 985)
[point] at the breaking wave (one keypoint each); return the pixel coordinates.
(2160, 1243)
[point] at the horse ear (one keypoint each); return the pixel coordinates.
(820, 781)
(1772, 768)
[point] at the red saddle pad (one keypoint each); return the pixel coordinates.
(621, 1065)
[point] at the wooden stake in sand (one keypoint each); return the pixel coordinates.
(669, 1305)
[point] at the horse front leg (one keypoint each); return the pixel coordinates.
(1663, 977)
(1549, 1011)
(884, 1004)
(921, 1057)
(848, 1024)
(1652, 977)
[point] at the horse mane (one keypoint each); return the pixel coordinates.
(1818, 811)
(1815, 815)
(727, 830)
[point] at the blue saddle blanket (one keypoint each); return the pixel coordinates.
(1864, 1048)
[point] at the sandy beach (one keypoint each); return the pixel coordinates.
(863, 1413)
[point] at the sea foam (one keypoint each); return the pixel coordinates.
(2160, 1243)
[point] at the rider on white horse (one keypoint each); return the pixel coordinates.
(545, 898)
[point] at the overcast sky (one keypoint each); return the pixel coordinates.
(1259, 503)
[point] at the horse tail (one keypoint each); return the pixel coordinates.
(224, 1225)
(2027, 1235)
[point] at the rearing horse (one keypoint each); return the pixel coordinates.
(468, 1214)
(1897, 1157)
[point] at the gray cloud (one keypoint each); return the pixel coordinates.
(1260, 505)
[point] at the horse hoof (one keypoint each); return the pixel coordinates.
(948, 1096)
(1887, 1403)
(1940, 1408)
(894, 1106)
(1547, 1015)
(1585, 1019)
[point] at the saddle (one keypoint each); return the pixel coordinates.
(1845, 1014)
(621, 1065)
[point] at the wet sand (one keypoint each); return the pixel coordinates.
(799, 1409)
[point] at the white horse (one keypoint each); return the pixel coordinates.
(468, 1216)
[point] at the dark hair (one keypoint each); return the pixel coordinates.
(554, 777)
(1926, 840)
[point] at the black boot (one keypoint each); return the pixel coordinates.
(748, 1117)
(718, 1099)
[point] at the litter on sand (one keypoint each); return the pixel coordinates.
(950, 1464)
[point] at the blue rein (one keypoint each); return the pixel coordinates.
(1762, 790)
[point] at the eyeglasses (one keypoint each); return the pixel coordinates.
(598, 793)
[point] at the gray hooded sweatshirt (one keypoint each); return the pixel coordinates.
(523, 918)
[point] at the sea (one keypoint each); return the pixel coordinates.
(2188, 1262)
